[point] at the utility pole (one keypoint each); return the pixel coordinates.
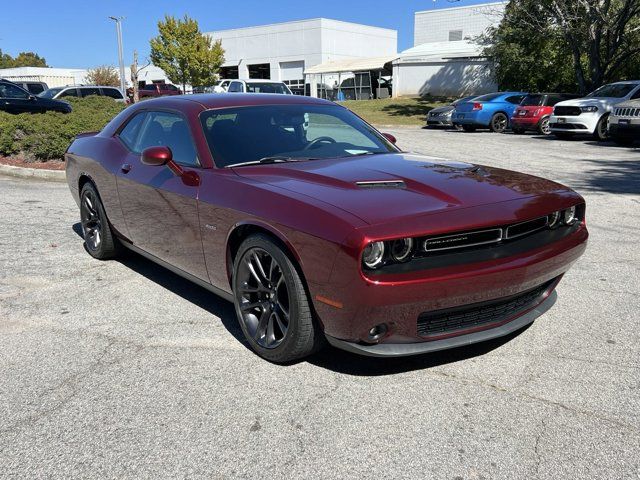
(123, 84)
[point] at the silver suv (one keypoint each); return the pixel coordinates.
(83, 91)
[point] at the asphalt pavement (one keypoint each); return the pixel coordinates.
(121, 369)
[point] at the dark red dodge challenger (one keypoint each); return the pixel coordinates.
(318, 227)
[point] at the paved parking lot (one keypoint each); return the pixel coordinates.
(121, 369)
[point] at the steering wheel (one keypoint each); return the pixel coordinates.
(313, 143)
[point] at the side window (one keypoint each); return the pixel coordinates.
(150, 86)
(35, 88)
(173, 88)
(224, 84)
(516, 99)
(11, 91)
(69, 92)
(235, 87)
(85, 92)
(112, 92)
(168, 130)
(636, 94)
(129, 134)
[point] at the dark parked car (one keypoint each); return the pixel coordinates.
(34, 88)
(442, 116)
(534, 112)
(14, 99)
(318, 227)
(158, 90)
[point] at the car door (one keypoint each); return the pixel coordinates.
(14, 99)
(159, 207)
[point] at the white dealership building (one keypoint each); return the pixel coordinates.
(283, 51)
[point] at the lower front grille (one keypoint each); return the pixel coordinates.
(441, 322)
(562, 111)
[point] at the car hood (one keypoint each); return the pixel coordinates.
(415, 184)
(603, 102)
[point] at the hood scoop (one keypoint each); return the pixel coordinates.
(382, 184)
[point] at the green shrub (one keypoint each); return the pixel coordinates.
(46, 136)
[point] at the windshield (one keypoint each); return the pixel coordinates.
(615, 90)
(532, 101)
(288, 132)
(50, 93)
(266, 88)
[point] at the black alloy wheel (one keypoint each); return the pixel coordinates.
(263, 298)
(499, 123)
(271, 302)
(99, 240)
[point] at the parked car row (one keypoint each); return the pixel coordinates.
(611, 111)
(253, 85)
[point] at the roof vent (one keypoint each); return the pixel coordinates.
(382, 184)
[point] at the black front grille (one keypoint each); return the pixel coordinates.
(441, 322)
(567, 111)
(568, 126)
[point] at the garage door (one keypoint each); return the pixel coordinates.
(291, 70)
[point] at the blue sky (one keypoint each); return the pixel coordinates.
(78, 33)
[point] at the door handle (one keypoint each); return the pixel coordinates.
(125, 168)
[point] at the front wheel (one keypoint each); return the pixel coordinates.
(499, 123)
(99, 239)
(602, 129)
(271, 302)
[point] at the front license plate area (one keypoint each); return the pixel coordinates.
(624, 122)
(562, 120)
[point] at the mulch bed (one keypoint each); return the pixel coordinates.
(19, 162)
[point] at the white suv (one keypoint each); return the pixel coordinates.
(258, 86)
(590, 115)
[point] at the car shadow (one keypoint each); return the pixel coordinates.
(203, 298)
(329, 358)
(348, 363)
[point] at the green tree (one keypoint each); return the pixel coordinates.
(104, 75)
(185, 54)
(599, 40)
(24, 59)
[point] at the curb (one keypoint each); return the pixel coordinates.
(35, 173)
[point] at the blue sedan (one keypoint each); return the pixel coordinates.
(491, 111)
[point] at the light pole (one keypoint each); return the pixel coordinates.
(118, 20)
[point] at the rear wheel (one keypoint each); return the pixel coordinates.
(543, 127)
(601, 132)
(499, 123)
(468, 128)
(99, 239)
(271, 302)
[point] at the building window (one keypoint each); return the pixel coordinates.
(455, 35)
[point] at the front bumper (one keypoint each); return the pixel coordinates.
(625, 130)
(529, 123)
(439, 121)
(407, 349)
(579, 124)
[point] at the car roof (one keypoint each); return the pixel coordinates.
(224, 100)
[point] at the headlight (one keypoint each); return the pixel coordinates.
(373, 254)
(569, 216)
(553, 219)
(401, 249)
(589, 109)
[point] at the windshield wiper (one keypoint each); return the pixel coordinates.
(265, 160)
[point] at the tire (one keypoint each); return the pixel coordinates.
(271, 303)
(518, 131)
(468, 128)
(601, 132)
(543, 127)
(99, 239)
(499, 123)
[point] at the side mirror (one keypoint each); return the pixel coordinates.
(157, 156)
(390, 137)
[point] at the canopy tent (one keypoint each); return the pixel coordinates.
(363, 78)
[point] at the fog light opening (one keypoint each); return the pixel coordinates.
(378, 332)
